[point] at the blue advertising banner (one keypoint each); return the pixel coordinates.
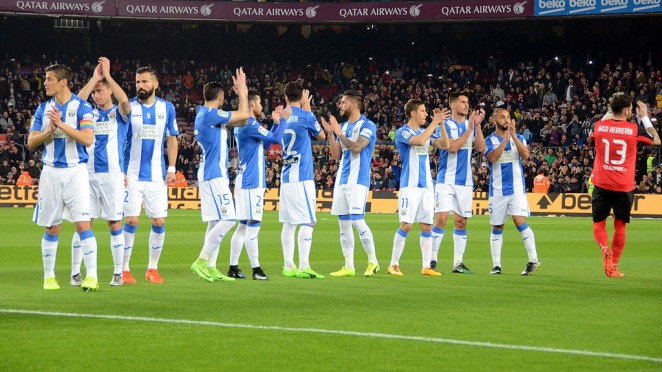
(555, 8)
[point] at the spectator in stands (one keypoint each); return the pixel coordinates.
(5, 122)
(33, 169)
(645, 186)
(180, 179)
(24, 179)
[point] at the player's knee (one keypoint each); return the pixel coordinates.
(54, 230)
(460, 223)
(440, 220)
(426, 227)
(82, 226)
(519, 220)
(405, 227)
(133, 221)
(114, 225)
(159, 222)
(497, 227)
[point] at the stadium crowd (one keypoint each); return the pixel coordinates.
(554, 103)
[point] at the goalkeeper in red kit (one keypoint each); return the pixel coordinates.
(616, 141)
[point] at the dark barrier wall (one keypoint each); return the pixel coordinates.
(378, 201)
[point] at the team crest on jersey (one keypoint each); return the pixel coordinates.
(71, 114)
(224, 210)
(258, 210)
(403, 212)
(111, 116)
(160, 115)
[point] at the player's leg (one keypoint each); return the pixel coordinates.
(48, 214)
(256, 209)
(305, 241)
(601, 203)
(76, 260)
(498, 207)
(425, 217)
(518, 208)
(76, 198)
(49, 252)
(496, 243)
(218, 205)
(340, 207)
(407, 209)
(252, 242)
(462, 208)
(622, 208)
(358, 194)
(426, 249)
(303, 213)
(529, 244)
(117, 251)
(236, 245)
(110, 191)
(443, 204)
(211, 247)
(287, 193)
(133, 199)
(242, 203)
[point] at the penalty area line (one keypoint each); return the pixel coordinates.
(386, 336)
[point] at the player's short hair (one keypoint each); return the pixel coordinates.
(455, 95)
(354, 96)
(293, 91)
(61, 72)
(620, 102)
(148, 70)
(253, 94)
(212, 90)
(412, 105)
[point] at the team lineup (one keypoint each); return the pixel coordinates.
(108, 160)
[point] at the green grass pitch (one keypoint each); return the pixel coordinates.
(552, 320)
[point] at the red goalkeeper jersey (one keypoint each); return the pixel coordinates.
(616, 153)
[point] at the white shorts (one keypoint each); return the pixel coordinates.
(154, 194)
(349, 199)
(107, 196)
(458, 199)
(298, 203)
(416, 204)
(63, 191)
(250, 203)
(216, 200)
(503, 206)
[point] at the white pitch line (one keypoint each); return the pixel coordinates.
(342, 333)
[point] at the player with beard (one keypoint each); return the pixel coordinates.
(505, 150)
(454, 188)
(152, 120)
(352, 143)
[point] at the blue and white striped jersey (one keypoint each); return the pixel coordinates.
(415, 159)
(60, 150)
(506, 174)
(149, 125)
(455, 169)
(250, 143)
(297, 150)
(212, 136)
(354, 169)
(107, 150)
